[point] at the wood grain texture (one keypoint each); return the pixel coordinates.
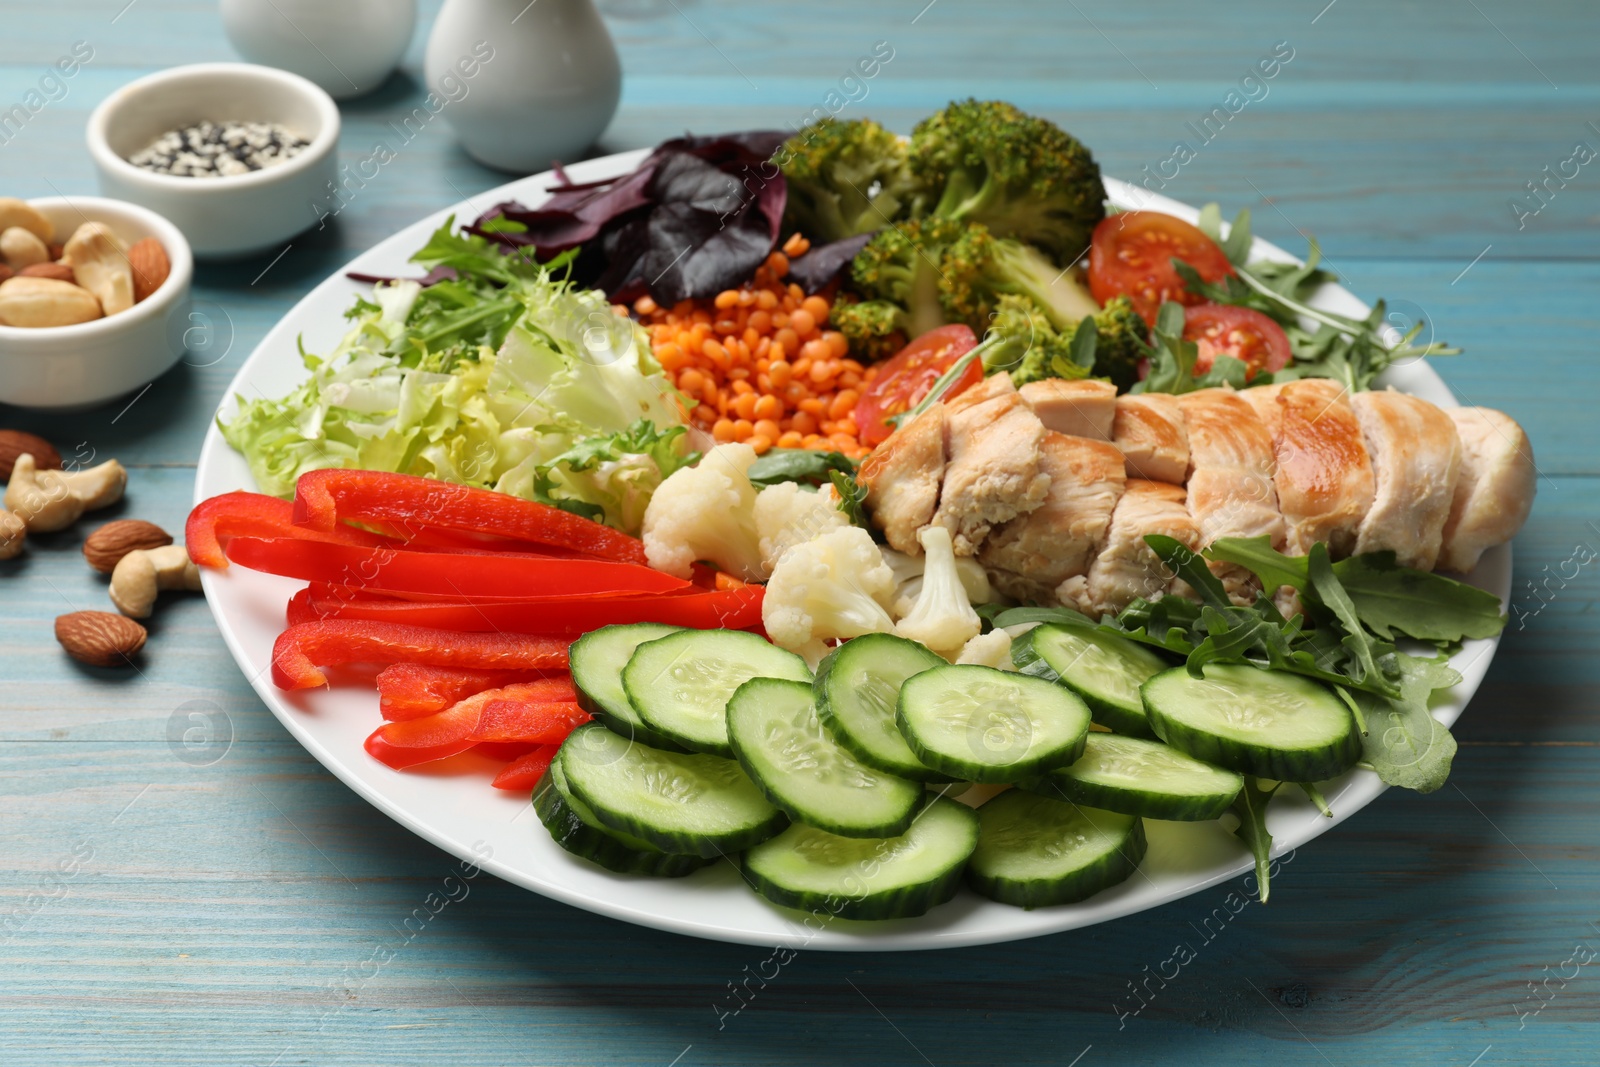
(192, 905)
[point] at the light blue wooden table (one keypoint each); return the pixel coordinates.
(226, 904)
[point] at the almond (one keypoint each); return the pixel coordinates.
(57, 251)
(100, 638)
(106, 546)
(14, 443)
(5, 272)
(150, 267)
(59, 271)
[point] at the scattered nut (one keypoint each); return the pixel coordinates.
(13, 532)
(14, 212)
(100, 638)
(58, 271)
(106, 547)
(144, 572)
(150, 267)
(56, 252)
(14, 443)
(22, 248)
(43, 302)
(5, 272)
(100, 263)
(49, 500)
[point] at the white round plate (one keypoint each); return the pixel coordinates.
(452, 804)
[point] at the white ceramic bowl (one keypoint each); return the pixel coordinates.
(75, 367)
(232, 216)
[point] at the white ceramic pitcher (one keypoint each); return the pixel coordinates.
(348, 47)
(546, 79)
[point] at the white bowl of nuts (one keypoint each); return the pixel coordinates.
(239, 157)
(94, 300)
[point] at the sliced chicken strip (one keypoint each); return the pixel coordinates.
(1033, 553)
(993, 473)
(1416, 461)
(1230, 479)
(1127, 568)
(1495, 491)
(902, 479)
(1323, 478)
(1149, 430)
(1078, 409)
(996, 385)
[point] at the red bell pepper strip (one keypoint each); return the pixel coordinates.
(406, 502)
(505, 751)
(464, 574)
(442, 728)
(412, 690)
(519, 719)
(401, 758)
(302, 650)
(523, 774)
(300, 609)
(214, 521)
(732, 609)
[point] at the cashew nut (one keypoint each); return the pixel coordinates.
(22, 248)
(142, 573)
(53, 500)
(100, 264)
(37, 303)
(14, 212)
(12, 533)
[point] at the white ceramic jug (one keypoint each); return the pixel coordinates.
(545, 79)
(348, 47)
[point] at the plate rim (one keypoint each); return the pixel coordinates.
(1357, 789)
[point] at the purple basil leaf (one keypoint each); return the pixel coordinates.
(694, 254)
(822, 264)
(437, 274)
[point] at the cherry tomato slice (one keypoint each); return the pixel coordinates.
(905, 379)
(1131, 255)
(1238, 332)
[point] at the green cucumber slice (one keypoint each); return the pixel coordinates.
(1103, 669)
(575, 829)
(781, 744)
(1139, 777)
(857, 686)
(867, 878)
(682, 802)
(597, 659)
(1271, 724)
(980, 724)
(680, 684)
(1034, 851)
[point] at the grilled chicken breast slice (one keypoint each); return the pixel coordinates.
(1077, 408)
(1416, 461)
(1033, 553)
(1323, 475)
(993, 471)
(902, 478)
(1127, 568)
(1494, 492)
(1149, 430)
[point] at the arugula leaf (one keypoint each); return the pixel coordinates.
(1191, 567)
(805, 465)
(1420, 604)
(1172, 360)
(1403, 742)
(1257, 555)
(1165, 623)
(1314, 795)
(1251, 809)
(1323, 588)
(852, 499)
(1023, 616)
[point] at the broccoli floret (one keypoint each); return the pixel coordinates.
(978, 268)
(1028, 345)
(902, 266)
(845, 178)
(1020, 175)
(873, 328)
(1121, 340)
(1107, 344)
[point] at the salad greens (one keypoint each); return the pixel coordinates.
(504, 376)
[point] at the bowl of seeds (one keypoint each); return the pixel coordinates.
(239, 157)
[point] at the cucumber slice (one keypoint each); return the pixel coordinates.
(575, 829)
(867, 878)
(680, 684)
(1139, 777)
(857, 686)
(980, 724)
(597, 659)
(681, 802)
(1103, 669)
(1034, 851)
(1271, 724)
(780, 743)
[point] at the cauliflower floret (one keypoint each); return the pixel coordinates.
(992, 649)
(706, 512)
(833, 586)
(943, 618)
(788, 515)
(908, 580)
